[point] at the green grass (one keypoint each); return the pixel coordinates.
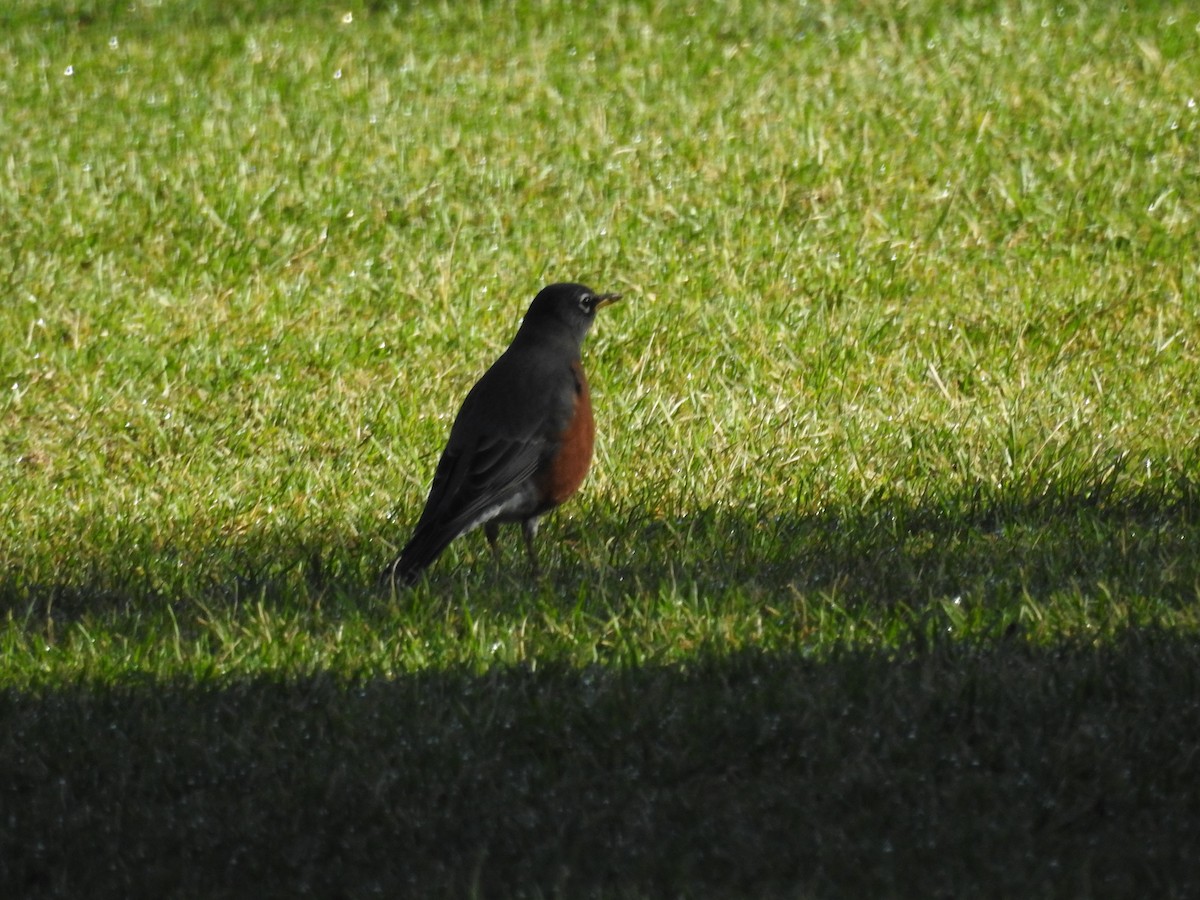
(886, 577)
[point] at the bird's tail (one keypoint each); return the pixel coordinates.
(417, 556)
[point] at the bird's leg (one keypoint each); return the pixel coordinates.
(529, 528)
(387, 578)
(491, 530)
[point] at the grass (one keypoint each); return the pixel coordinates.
(855, 773)
(885, 579)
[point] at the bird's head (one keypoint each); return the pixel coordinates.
(571, 305)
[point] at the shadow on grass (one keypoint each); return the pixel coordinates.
(995, 544)
(995, 547)
(1005, 770)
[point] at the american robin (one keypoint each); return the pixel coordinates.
(522, 441)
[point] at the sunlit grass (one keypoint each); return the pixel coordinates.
(880, 264)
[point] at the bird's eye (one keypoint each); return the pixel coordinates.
(585, 302)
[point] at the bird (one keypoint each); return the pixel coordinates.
(522, 441)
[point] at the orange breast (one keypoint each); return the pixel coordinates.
(565, 473)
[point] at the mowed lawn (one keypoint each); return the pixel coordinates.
(885, 581)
